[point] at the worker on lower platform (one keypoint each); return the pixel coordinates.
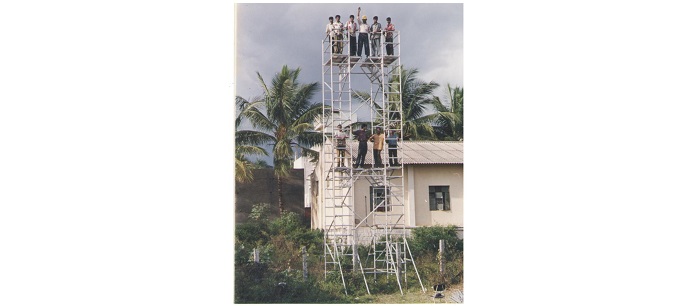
(378, 140)
(340, 137)
(361, 136)
(393, 141)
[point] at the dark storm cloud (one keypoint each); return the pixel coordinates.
(269, 36)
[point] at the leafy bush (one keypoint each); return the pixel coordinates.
(278, 277)
(426, 240)
(260, 212)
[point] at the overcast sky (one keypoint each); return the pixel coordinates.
(269, 36)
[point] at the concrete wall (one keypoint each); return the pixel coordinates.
(438, 175)
(417, 179)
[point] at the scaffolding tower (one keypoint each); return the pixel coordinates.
(382, 227)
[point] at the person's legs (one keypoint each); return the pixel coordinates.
(367, 46)
(377, 158)
(353, 45)
(375, 45)
(339, 38)
(341, 154)
(361, 152)
(389, 46)
(334, 44)
(364, 44)
(360, 42)
(392, 157)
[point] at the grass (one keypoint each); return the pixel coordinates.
(410, 296)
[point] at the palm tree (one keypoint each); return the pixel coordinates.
(450, 117)
(416, 100)
(245, 145)
(284, 118)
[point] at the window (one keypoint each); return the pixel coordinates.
(439, 197)
(378, 198)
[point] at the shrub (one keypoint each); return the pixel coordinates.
(426, 240)
(260, 212)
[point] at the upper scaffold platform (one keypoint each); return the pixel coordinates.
(342, 59)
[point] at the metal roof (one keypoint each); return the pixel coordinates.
(421, 152)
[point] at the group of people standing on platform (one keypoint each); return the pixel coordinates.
(362, 137)
(360, 36)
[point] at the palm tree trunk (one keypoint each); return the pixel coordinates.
(279, 194)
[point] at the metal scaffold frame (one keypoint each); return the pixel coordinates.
(389, 249)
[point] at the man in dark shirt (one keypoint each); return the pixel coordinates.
(361, 136)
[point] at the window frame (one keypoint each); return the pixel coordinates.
(434, 192)
(387, 203)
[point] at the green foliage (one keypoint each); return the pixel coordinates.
(282, 117)
(251, 234)
(449, 119)
(261, 164)
(426, 240)
(260, 212)
(425, 244)
(287, 223)
(280, 240)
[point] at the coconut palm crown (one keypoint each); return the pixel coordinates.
(416, 103)
(284, 118)
(449, 118)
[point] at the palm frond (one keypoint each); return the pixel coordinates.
(256, 138)
(243, 150)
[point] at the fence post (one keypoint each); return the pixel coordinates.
(256, 255)
(354, 256)
(442, 257)
(303, 262)
(398, 259)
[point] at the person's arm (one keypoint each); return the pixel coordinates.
(358, 14)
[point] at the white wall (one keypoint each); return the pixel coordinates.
(438, 175)
(417, 211)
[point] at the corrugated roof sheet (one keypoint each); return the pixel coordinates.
(421, 152)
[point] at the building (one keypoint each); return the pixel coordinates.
(433, 187)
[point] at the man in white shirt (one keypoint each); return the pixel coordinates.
(376, 30)
(363, 38)
(351, 27)
(338, 33)
(340, 145)
(329, 28)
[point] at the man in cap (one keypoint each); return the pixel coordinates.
(376, 30)
(389, 36)
(363, 39)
